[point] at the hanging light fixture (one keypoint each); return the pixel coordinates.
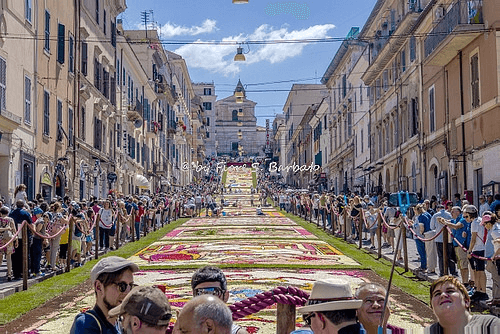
(240, 1)
(240, 134)
(240, 113)
(238, 94)
(240, 123)
(239, 100)
(239, 56)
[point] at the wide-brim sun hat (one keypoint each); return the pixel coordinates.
(330, 295)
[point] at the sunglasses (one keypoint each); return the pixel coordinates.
(122, 286)
(307, 318)
(209, 291)
(465, 217)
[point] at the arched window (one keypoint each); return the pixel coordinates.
(436, 181)
(235, 115)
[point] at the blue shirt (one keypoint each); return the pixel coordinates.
(129, 206)
(92, 322)
(458, 233)
(494, 204)
(493, 233)
(425, 218)
(20, 215)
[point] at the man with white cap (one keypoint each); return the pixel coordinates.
(331, 308)
(145, 310)
(112, 278)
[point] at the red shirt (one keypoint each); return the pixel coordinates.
(139, 214)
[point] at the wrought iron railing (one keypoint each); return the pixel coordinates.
(462, 12)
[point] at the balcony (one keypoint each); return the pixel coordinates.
(171, 127)
(458, 28)
(134, 111)
(160, 169)
(384, 48)
(9, 120)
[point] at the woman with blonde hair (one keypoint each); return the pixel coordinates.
(20, 193)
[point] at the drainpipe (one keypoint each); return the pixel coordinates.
(462, 112)
(423, 176)
(35, 92)
(76, 87)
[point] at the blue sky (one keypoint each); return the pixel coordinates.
(270, 69)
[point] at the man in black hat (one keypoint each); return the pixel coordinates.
(145, 310)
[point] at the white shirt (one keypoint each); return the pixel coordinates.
(479, 229)
(483, 207)
(106, 218)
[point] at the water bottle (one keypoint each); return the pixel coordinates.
(302, 331)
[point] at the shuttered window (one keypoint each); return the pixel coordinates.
(432, 113)
(47, 31)
(474, 69)
(84, 58)
(59, 132)
(27, 100)
(97, 133)
(60, 43)
(70, 126)
(46, 113)
(71, 54)
(3, 83)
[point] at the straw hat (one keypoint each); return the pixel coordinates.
(330, 295)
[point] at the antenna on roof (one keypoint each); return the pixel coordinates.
(145, 19)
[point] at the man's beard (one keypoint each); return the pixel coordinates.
(109, 306)
(127, 330)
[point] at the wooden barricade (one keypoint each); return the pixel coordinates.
(69, 253)
(379, 235)
(132, 225)
(405, 244)
(25, 256)
(96, 253)
(445, 251)
(285, 318)
(360, 230)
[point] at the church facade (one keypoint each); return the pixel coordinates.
(237, 133)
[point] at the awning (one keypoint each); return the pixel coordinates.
(142, 182)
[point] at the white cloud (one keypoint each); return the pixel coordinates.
(171, 30)
(219, 58)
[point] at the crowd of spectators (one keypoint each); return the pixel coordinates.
(472, 232)
(120, 218)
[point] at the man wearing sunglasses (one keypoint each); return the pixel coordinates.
(112, 278)
(212, 281)
(145, 310)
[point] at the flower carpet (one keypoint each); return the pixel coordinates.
(241, 232)
(259, 253)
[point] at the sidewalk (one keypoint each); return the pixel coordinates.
(8, 288)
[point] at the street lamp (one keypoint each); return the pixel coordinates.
(240, 56)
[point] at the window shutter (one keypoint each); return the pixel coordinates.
(47, 31)
(3, 84)
(84, 58)
(113, 33)
(60, 43)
